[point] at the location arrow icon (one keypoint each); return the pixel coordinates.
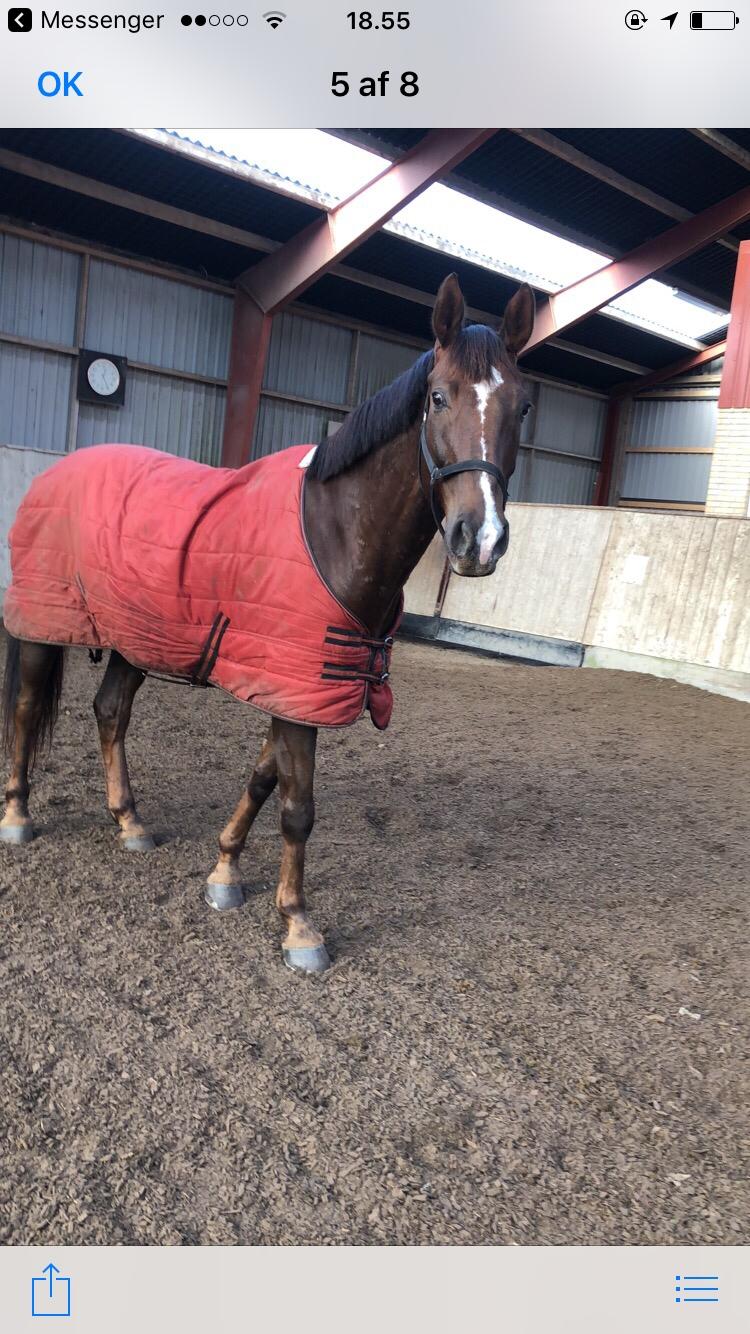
(670, 19)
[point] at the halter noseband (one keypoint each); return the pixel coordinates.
(450, 470)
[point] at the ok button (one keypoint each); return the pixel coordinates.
(52, 84)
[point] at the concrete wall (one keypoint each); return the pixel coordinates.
(421, 592)
(662, 593)
(18, 468)
(677, 587)
(545, 584)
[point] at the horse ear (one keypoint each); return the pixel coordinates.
(518, 321)
(450, 310)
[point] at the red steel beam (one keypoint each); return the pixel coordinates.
(735, 379)
(670, 372)
(586, 297)
(278, 278)
(251, 336)
(609, 448)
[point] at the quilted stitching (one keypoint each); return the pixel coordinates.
(139, 551)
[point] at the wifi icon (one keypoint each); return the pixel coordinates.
(274, 18)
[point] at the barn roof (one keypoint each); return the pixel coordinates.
(576, 188)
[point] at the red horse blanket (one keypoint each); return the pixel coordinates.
(199, 572)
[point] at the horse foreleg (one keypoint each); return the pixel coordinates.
(112, 706)
(224, 885)
(303, 947)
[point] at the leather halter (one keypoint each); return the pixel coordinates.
(451, 470)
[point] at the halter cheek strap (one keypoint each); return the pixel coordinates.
(436, 474)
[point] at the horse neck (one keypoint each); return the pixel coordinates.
(368, 527)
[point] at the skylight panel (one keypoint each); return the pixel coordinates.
(318, 164)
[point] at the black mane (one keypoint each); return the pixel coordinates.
(393, 410)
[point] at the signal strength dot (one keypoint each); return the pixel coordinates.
(274, 18)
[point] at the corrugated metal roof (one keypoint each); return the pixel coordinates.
(389, 256)
(144, 168)
(248, 170)
(644, 346)
(28, 201)
(507, 165)
(672, 163)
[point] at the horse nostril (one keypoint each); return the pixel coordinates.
(462, 538)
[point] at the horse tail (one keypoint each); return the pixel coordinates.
(48, 699)
(11, 686)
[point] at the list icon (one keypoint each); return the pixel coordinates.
(696, 1288)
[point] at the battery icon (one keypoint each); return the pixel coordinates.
(713, 20)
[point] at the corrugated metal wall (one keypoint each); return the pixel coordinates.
(38, 298)
(178, 416)
(378, 363)
(35, 390)
(669, 443)
(157, 321)
(38, 290)
(176, 335)
(333, 369)
(565, 444)
(281, 424)
(309, 359)
(660, 423)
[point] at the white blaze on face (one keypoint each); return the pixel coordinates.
(492, 527)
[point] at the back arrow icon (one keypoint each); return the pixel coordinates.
(670, 19)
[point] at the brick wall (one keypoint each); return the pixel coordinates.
(729, 482)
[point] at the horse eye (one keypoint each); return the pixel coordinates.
(438, 399)
(526, 409)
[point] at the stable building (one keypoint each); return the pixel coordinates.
(156, 290)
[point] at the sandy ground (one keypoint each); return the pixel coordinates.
(535, 891)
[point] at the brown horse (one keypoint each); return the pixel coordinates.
(440, 442)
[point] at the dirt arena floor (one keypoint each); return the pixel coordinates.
(535, 890)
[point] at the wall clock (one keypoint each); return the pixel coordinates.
(101, 378)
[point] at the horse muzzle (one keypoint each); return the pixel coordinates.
(463, 542)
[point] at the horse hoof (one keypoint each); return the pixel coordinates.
(16, 833)
(309, 959)
(138, 843)
(223, 897)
